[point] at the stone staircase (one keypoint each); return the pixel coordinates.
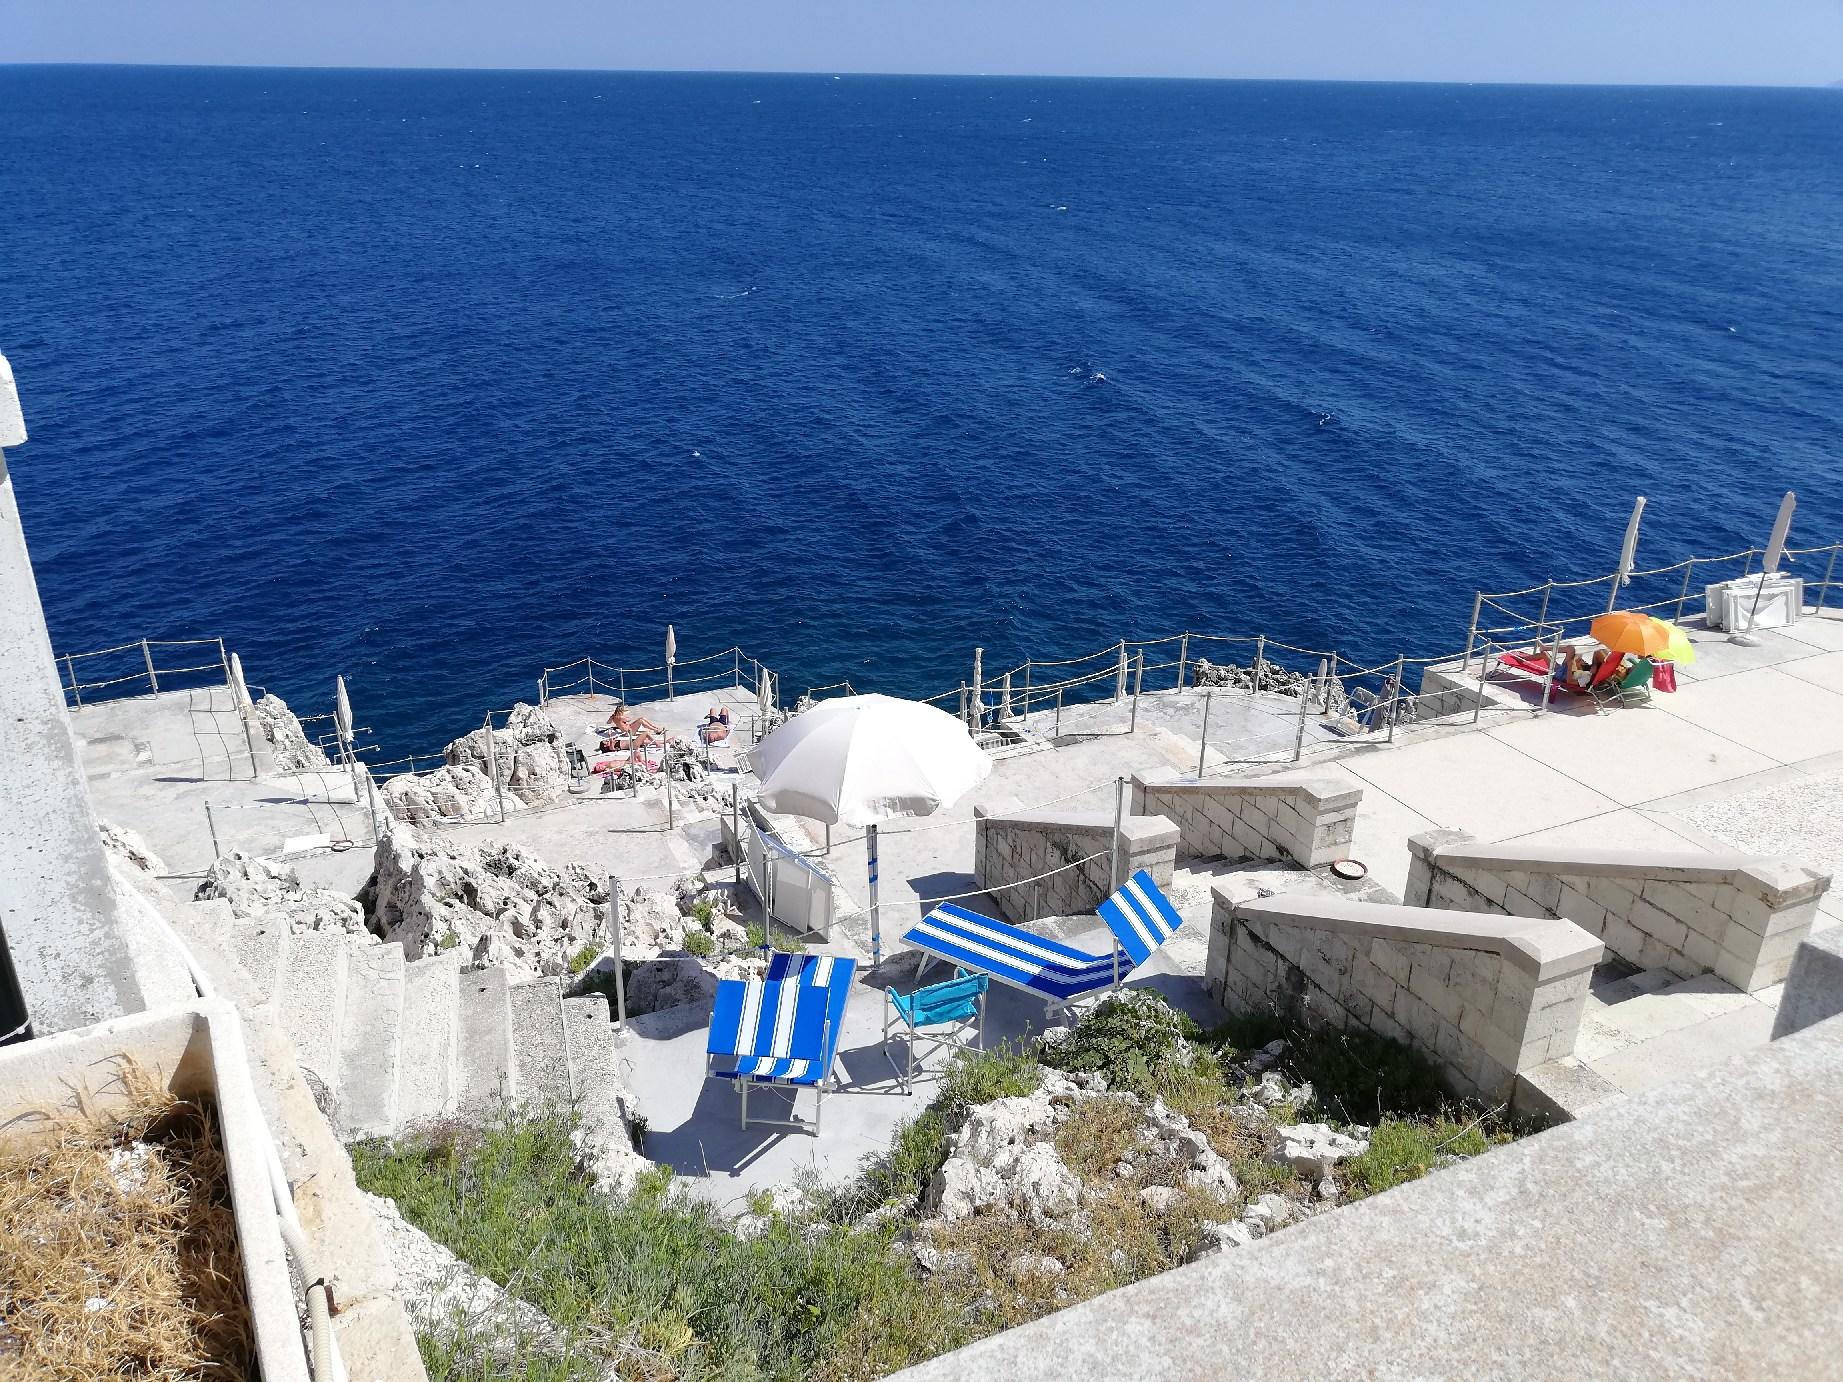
(387, 1042)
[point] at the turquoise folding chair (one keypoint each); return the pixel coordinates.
(953, 1003)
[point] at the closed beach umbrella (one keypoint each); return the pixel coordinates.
(1628, 554)
(858, 760)
(671, 655)
(1782, 525)
(1628, 631)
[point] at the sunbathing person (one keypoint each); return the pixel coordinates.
(1571, 669)
(716, 726)
(624, 721)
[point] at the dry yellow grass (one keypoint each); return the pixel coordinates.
(118, 1247)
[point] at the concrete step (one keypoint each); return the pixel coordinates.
(313, 1003)
(1635, 985)
(371, 1043)
(431, 1039)
(540, 1056)
(595, 1064)
(484, 1065)
(261, 947)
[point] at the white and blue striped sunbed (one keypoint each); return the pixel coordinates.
(782, 1030)
(1140, 916)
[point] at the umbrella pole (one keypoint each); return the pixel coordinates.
(614, 940)
(876, 923)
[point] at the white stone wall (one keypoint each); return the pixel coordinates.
(1010, 846)
(1305, 819)
(1481, 999)
(1738, 917)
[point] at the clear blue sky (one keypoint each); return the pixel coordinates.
(1712, 41)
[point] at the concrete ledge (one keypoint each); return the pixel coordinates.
(1687, 1231)
(187, 1048)
(1294, 816)
(1733, 915)
(1545, 950)
(1559, 1091)
(1011, 846)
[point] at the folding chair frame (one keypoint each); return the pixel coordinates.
(912, 1034)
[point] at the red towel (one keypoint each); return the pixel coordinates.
(1664, 676)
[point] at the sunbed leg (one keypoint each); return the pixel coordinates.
(742, 1088)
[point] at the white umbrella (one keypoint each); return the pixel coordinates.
(858, 760)
(671, 656)
(1769, 565)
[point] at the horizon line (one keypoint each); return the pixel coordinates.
(840, 74)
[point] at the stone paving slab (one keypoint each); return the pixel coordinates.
(1477, 783)
(1632, 755)
(1825, 670)
(1692, 1046)
(1768, 711)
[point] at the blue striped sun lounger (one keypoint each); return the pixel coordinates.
(1139, 915)
(782, 1030)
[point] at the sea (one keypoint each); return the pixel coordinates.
(435, 379)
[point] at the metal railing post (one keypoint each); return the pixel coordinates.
(1322, 685)
(543, 700)
(978, 689)
(1203, 735)
(492, 766)
(75, 689)
(1119, 829)
(1260, 658)
(738, 669)
(1395, 690)
(212, 826)
(736, 831)
(1138, 684)
(1548, 685)
(1183, 658)
(1119, 681)
(148, 657)
(1305, 702)
(1058, 733)
(1689, 568)
(1026, 691)
(224, 662)
(1004, 698)
(1484, 668)
(1542, 613)
(622, 671)
(1471, 633)
(1823, 591)
(591, 662)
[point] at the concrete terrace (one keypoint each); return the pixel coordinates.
(1747, 754)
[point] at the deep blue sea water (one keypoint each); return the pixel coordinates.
(435, 378)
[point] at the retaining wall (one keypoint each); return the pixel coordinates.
(1287, 816)
(1482, 998)
(1011, 845)
(1737, 916)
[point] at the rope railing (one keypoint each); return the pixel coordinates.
(144, 677)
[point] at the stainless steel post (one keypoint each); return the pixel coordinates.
(1119, 681)
(623, 682)
(738, 668)
(978, 689)
(1026, 691)
(1322, 685)
(591, 662)
(1260, 660)
(75, 689)
(1203, 737)
(1823, 591)
(1183, 658)
(736, 831)
(212, 826)
(1484, 667)
(1004, 699)
(148, 657)
(543, 701)
(1683, 594)
(614, 947)
(665, 762)
(1305, 704)
(492, 767)
(1542, 613)
(1395, 690)
(224, 661)
(1138, 683)
(1471, 633)
(1058, 733)
(1548, 685)
(1119, 831)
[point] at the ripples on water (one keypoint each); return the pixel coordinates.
(436, 378)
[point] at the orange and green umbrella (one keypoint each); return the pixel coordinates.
(1628, 631)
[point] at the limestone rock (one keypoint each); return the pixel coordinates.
(1219, 1238)
(1267, 1213)
(1274, 678)
(1026, 1264)
(130, 848)
(282, 728)
(669, 982)
(498, 901)
(269, 889)
(460, 793)
(1158, 1198)
(527, 755)
(1312, 1149)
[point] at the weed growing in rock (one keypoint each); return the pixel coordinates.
(584, 957)
(701, 944)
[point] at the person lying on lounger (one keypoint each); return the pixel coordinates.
(624, 721)
(716, 726)
(1571, 669)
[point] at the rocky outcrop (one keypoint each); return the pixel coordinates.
(527, 755)
(1275, 678)
(270, 889)
(461, 794)
(499, 903)
(282, 728)
(1312, 1150)
(130, 849)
